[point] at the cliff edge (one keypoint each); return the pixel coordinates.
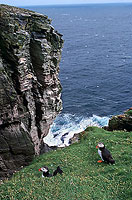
(30, 91)
(121, 122)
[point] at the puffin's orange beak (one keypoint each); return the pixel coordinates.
(39, 169)
(97, 147)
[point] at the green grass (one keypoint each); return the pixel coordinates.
(129, 112)
(83, 177)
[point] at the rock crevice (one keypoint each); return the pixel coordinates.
(30, 90)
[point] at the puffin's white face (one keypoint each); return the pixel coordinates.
(100, 145)
(43, 169)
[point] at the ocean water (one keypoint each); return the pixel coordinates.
(96, 65)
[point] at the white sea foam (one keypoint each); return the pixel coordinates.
(66, 125)
(65, 14)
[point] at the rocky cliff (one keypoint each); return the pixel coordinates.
(121, 122)
(30, 52)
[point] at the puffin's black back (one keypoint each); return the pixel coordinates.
(107, 156)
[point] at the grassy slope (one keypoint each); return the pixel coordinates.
(83, 177)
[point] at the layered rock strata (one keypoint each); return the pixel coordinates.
(30, 90)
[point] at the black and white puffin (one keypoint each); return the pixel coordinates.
(104, 154)
(46, 173)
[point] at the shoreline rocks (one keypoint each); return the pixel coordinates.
(121, 122)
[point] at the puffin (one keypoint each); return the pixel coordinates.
(104, 154)
(46, 173)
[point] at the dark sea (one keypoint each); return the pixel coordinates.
(96, 65)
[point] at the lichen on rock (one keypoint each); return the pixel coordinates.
(30, 90)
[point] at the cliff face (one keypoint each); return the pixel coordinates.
(121, 122)
(30, 52)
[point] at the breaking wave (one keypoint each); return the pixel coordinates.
(66, 125)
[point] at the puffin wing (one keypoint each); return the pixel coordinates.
(106, 155)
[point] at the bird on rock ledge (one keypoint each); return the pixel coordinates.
(104, 154)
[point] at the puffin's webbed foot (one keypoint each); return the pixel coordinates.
(99, 161)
